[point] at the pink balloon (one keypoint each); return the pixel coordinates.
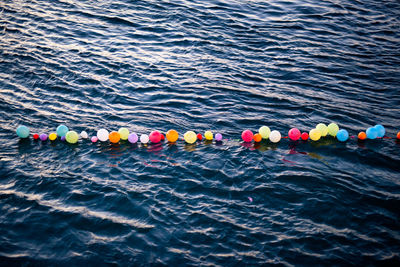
(94, 139)
(247, 135)
(155, 137)
(294, 134)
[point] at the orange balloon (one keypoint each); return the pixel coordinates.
(172, 136)
(114, 137)
(398, 135)
(257, 137)
(362, 136)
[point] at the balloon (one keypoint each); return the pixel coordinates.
(22, 131)
(208, 135)
(124, 133)
(257, 137)
(304, 136)
(275, 136)
(264, 131)
(380, 129)
(133, 138)
(372, 133)
(172, 136)
(102, 135)
(63, 138)
(218, 137)
(322, 128)
(94, 139)
(294, 134)
(362, 135)
(52, 136)
(247, 135)
(114, 137)
(315, 134)
(333, 128)
(398, 135)
(35, 136)
(84, 135)
(155, 137)
(43, 137)
(342, 135)
(162, 137)
(144, 138)
(62, 130)
(199, 137)
(72, 137)
(190, 137)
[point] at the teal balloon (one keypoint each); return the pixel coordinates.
(342, 135)
(372, 133)
(62, 130)
(380, 129)
(22, 131)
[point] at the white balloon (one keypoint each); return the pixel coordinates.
(144, 138)
(84, 135)
(275, 136)
(102, 134)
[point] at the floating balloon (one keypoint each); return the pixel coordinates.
(124, 133)
(257, 137)
(342, 135)
(102, 135)
(94, 139)
(322, 128)
(372, 133)
(380, 129)
(315, 134)
(62, 138)
(333, 128)
(133, 138)
(84, 135)
(264, 131)
(208, 135)
(162, 137)
(218, 137)
(172, 136)
(294, 134)
(72, 137)
(144, 139)
(199, 137)
(275, 136)
(62, 130)
(22, 131)
(52, 136)
(398, 135)
(304, 136)
(35, 136)
(43, 137)
(190, 137)
(114, 137)
(247, 136)
(362, 135)
(155, 137)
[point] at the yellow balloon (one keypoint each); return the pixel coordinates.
(123, 133)
(322, 128)
(208, 135)
(190, 137)
(52, 136)
(264, 131)
(315, 134)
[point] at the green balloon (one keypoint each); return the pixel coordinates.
(333, 129)
(72, 137)
(322, 128)
(22, 131)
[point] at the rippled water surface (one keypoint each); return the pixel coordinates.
(199, 65)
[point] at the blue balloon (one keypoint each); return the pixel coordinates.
(372, 133)
(380, 129)
(22, 131)
(62, 130)
(342, 135)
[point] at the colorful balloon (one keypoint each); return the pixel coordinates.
(304, 136)
(123, 133)
(218, 137)
(43, 137)
(322, 128)
(247, 136)
(199, 137)
(144, 139)
(62, 130)
(315, 134)
(35, 136)
(294, 134)
(380, 129)
(114, 137)
(102, 135)
(264, 131)
(275, 136)
(52, 136)
(190, 137)
(84, 135)
(398, 135)
(333, 128)
(362, 135)
(72, 137)
(155, 137)
(172, 136)
(257, 137)
(208, 135)
(133, 138)
(62, 138)
(22, 131)
(162, 137)
(342, 135)
(94, 139)
(372, 133)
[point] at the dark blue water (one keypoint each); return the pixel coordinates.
(199, 65)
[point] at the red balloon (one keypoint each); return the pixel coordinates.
(247, 136)
(155, 137)
(199, 137)
(162, 137)
(36, 136)
(294, 134)
(304, 136)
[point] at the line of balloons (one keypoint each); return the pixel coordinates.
(190, 137)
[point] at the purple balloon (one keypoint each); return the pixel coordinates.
(133, 138)
(63, 138)
(218, 137)
(43, 137)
